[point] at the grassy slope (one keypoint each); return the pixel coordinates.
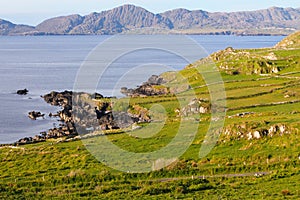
(292, 41)
(67, 170)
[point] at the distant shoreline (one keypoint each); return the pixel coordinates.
(212, 34)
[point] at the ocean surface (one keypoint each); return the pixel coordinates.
(46, 63)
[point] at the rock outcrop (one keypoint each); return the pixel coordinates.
(234, 62)
(251, 131)
(154, 86)
(29, 140)
(195, 106)
(83, 113)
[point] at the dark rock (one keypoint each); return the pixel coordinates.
(22, 92)
(44, 133)
(155, 80)
(59, 99)
(38, 138)
(26, 140)
(244, 114)
(97, 96)
(63, 99)
(34, 115)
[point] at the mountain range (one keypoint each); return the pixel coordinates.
(128, 19)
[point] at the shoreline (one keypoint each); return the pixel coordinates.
(221, 33)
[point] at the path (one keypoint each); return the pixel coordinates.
(256, 174)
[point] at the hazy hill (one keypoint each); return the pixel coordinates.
(8, 28)
(133, 19)
(60, 25)
(283, 58)
(122, 18)
(273, 17)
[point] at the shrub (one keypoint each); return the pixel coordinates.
(285, 192)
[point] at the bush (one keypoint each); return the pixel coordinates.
(285, 192)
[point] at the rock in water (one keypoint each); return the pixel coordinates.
(33, 115)
(22, 92)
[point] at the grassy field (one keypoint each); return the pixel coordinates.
(66, 170)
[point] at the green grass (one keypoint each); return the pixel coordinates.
(67, 170)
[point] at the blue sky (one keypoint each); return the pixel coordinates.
(35, 11)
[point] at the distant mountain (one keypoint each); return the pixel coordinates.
(120, 19)
(60, 25)
(261, 19)
(133, 19)
(114, 21)
(8, 28)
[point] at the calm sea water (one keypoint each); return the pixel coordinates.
(44, 64)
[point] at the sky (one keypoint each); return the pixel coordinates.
(33, 12)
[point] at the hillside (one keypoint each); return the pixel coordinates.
(292, 41)
(273, 18)
(282, 58)
(8, 28)
(112, 21)
(256, 154)
(256, 81)
(133, 19)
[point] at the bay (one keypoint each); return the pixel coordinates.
(47, 63)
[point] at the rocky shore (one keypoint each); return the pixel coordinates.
(82, 113)
(154, 86)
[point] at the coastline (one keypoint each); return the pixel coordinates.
(173, 32)
(46, 130)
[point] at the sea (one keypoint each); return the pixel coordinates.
(43, 64)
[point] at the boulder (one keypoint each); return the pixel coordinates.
(34, 115)
(155, 80)
(26, 140)
(249, 136)
(282, 129)
(22, 92)
(97, 96)
(256, 135)
(195, 106)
